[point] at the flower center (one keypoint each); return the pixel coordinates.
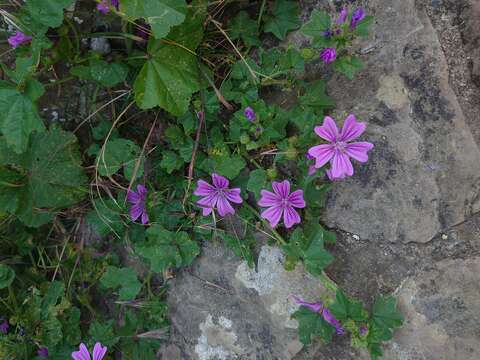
(340, 146)
(285, 203)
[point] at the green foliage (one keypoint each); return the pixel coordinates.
(20, 117)
(51, 175)
(170, 76)
(125, 278)
(245, 28)
(257, 181)
(311, 325)
(102, 72)
(320, 22)
(164, 249)
(241, 247)
(103, 332)
(6, 276)
(47, 13)
(284, 18)
(161, 15)
(118, 153)
(344, 308)
(348, 65)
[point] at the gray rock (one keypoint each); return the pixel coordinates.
(442, 314)
(222, 309)
(423, 175)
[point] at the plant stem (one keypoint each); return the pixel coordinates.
(327, 282)
(260, 14)
(279, 237)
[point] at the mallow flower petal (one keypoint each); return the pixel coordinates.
(328, 130)
(99, 351)
(273, 215)
(296, 199)
(219, 181)
(290, 217)
(133, 197)
(269, 199)
(358, 150)
(203, 188)
(282, 189)
(82, 353)
(224, 207)
(136, 211)
(351, 129)
(233, 195)
(322, 154)
(341, 166)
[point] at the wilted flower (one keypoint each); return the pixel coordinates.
(18, 39)
(250, 114)
(42, 352)
(339, 151)
(328, 33)
(326, 314)
(217, 196)
(137, 199)
(99, 352)
(281, 202)
(357, 16)
(328, 55)
(4, 327)
(342, 16)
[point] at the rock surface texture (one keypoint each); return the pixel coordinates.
(407, 219)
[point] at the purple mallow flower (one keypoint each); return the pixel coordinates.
(357, 16)
(326, 314)
(42, 352)
(99, 352)
(4, 327)
(217, 196)
(363, 331)
(311, 169)
(328, 55)
(250, 114)
(281, 202)
(137, 199)
(328, 33)
(18, 39)
(342, 16)
(339, 151)
(104, 5)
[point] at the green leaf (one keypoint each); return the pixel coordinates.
(103, 333)
(316, 97)
(105, 217)
(119, 153)
(52, 175)
(230, 166)
(363, 27)
(348, 65)
(344, 308)
(319, 22)
(241, 247)
(316, 258)
(385, 312)
(242, 26)
(166, 249)
(161, 15)
(125, 278)
(6, 276)
(170, 76)
(48, 12)
(102, 72)
(312, 324)
(257, 181)
(19, 117)
(285, 18)
(10, 182)
(170, 161)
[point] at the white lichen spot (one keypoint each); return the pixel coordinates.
(78, 20)
(217, 341)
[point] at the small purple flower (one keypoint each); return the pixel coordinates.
(42, 352)
(217, 196)
(4, 327)
(326, 314)
(328, 55)
(328, 33)
(357, 16)
(342, 16)
(339, 151)
(281, 202)
(99, 352)
(311, 169)
(104, 5)
(363, 331)
(18, 39)
(250, 114)
(137, 199)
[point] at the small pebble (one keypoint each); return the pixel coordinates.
(444, 237)
(78, 20)
(356, 237)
